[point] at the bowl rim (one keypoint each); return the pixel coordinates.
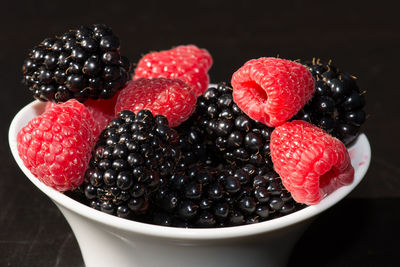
(186, 233)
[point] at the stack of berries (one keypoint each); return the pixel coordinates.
(166, 148)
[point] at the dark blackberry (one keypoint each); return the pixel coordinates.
(338, 103)
(238, 138)
(195, 148)
(129, 162)
(82, 63)
(205, 196)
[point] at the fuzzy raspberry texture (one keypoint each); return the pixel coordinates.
(101, 110)
(169, 97)
(310, 162)
(272, 90)
(56, 146)
(185, 62)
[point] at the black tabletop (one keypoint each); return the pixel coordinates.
(361, 37)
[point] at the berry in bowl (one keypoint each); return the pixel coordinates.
(166, 172)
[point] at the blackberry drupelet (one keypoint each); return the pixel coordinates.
(194, 147)
(239, 138)
(205, 196)
(128, 163)
(81, 64)
(337, 105)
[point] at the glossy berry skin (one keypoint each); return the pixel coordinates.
(131, 157)
(185, 62)
(237, 137)
(272, 90)
(195, 147)
(338, 103)
(83, 63)
(56, 145)
(310, 162)
(207, 197)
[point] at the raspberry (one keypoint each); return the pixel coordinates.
(169, 97)
(56, 145)
(311, 163)
(100, 118)
(186, 62)
(106, 106)
(272, 90)
(101, 110)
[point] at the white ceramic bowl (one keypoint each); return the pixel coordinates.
(106, 240)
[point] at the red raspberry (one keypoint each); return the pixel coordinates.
(100, 119)
(102, 111)
(106, 106)
(56, 146)
(272, 90)
(169, 97)
(186, 62)
(310, 162)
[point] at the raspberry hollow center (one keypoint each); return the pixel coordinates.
(326, 179)
(256, 91)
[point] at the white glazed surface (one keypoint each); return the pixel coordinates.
(130, 243)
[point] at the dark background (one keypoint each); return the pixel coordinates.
(361, 37)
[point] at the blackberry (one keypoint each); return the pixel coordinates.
(195, 148)
(237, 137)
(128, 163)
(205, 196)
(81, 64)
(338, 103)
